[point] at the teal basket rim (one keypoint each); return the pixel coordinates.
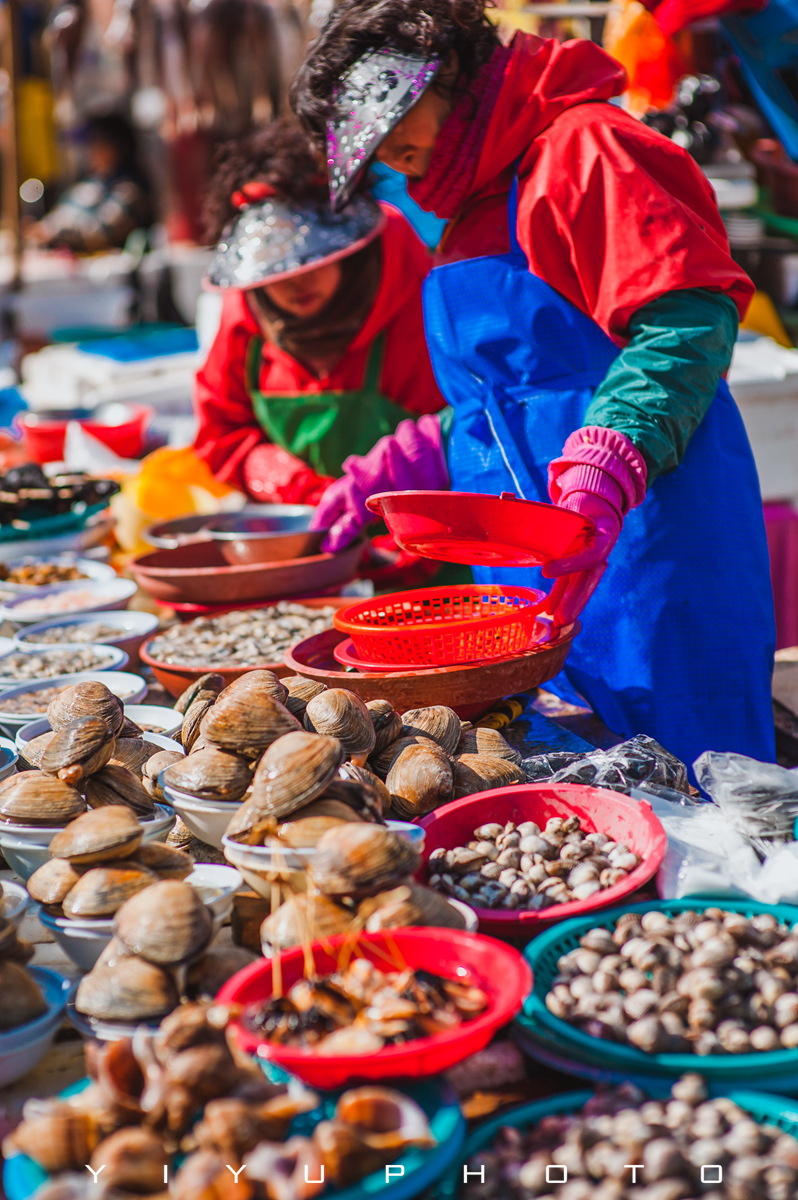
(765, 1109)
(629, 1056)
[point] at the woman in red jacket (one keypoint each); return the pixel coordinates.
(320, 350)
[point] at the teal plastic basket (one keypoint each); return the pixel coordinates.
(765, 1109)
(45, 527)
(732, 1069)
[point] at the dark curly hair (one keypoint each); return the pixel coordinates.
(428, 28)
(279, 154)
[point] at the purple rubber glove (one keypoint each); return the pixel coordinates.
(600, 475)
(412, 459)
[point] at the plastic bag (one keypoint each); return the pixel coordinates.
(705, 855)
(543, 766)
(759, 800)
(638, 760)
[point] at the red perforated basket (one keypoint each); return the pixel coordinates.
(438, 627)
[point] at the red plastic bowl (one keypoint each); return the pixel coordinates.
(599, 810)
(44, 435)
(481, 530)
(498, 969)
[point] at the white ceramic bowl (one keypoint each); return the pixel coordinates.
(117, 659)
(24, 1046)
(9, 756)
(166, 719)
(14, 901)
(207, 819)
(129, 688)
(25, 848)
(133, 629)
(102, 594)
(97, 571)
(84, 940)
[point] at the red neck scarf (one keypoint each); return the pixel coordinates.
(447, 182)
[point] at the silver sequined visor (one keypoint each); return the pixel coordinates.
(373, 96)
(273, 239)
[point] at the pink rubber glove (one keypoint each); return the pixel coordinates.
(412, 459)
(600, 475)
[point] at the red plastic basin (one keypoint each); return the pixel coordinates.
(44, 435)
(481, 530)
(466, 957)
(599, 810)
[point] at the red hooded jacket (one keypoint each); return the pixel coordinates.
(611, 213)
(228, 429)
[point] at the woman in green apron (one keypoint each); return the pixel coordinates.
(320, 350)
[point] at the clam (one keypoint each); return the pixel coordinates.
(111, 832)
(299, 692)
(305, 826)
(131, 989)
(132, 1160)
(32, 751)
(89, 699)
(342, 715)
(303, 918)
(480, 772)
(58, 1137)
(210, 775)
(361, 859)
(206, 975)
(104, 889)
(346, 1157)
(292, 772)
(386, 721)
(212, 682)
(256, 682)
(206, 1175)
(287, 1166)
(409, 904)
(479, 739)
(168, 862)
(166, 923)
(247, 723)
(384, 1118)
(78, 749)
(234, 1125)
(131, 753)
(438, 722)
(192, 718)
(52, 881)
(118, 786)
(151, 771)
(33, 798)
(419, 780)
(381, 761)
(363, 797)
(363, 775)
(130, 730)
(22, 998)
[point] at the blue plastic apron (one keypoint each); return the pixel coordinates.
(678, 638)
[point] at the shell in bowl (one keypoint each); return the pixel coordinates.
(82, 596)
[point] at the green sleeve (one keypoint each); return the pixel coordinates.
(662, 383)
(446, 418)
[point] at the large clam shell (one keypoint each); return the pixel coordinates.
(135, 1161)
(380, 763)
(129, 990)
(481, 740)
(475, 773)
(247, 723)
(151, 771)
(89, 699)
(168, 862)
(192, 718)
(103, 833)
(31, 753)
(343, 715)
(420, 779)
(79, 748)
(52, 881)
(116, 785)
(361, 860)
(409, 904)
(257, 682)
(167, 923)
(438, 722)
(386, 721)
(385, 1118)
(104, 889)
(59, 1137)
(299, 692)
(22, 998)
(132, 753)
(210, 775)
(212, 682)
(33, 798)
(363, 775)
(292, 772)
(303, 919)
(306, 825)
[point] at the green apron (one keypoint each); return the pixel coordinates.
(324, 428)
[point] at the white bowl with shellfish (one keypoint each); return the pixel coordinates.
(26, 702)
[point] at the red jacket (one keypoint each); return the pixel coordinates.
(611, 213)
(228, 429)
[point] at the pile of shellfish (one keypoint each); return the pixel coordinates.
(669, 1140)
(711, 982)
(177, 1096)
(22, 998)
(521, 867)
